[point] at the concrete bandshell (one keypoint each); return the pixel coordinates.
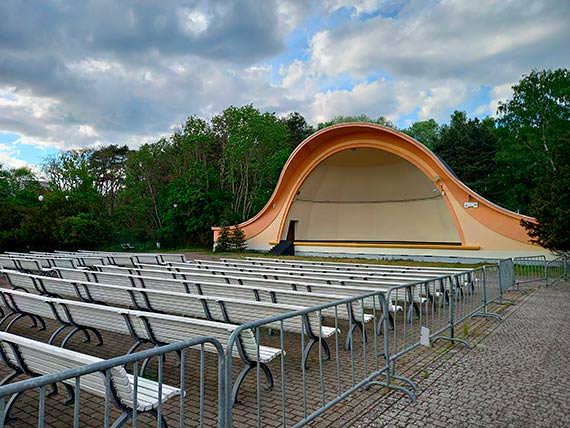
(361, 187)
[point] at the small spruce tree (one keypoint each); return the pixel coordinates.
(237, 240)
(224, 242)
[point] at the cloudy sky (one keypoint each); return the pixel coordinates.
(96, 72)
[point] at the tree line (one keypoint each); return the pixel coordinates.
(223, 171)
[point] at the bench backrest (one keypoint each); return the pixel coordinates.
(29, 264)
(42, 359)
(64, 263)
(20, 280)
(147, 258)
(72, 274)
(332, 277)
(8, 263)
(339, 267)
(164, 328)
(29, 303)
(119, 295)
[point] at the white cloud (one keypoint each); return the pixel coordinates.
(138, 76)
(8, 155)
(392, 99)
(360, 7)
(442, 97)
(481, 42)
(194, 21)
(498, 94)
(373, 99)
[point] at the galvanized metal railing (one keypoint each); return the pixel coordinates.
(557, 269)
(433, 309)
(306, 383)
(530, 269)
(182, 349)
(301, 394)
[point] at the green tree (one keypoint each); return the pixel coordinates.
(254, 147)
(469, 147)
(107, 166)
(143, 200)
(550, 203)
(427, 132)
(381, 120)
(532, 124)
(19, 206)
(299, 129)
(195, 200)
(223, 244)
(237, 239)
(68, 171)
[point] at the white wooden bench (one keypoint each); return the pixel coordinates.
(283, 275)
(277, 292)
(153, 257)
(63, 262)
(167, 272)
(33, 358)
(8, 263)
(295, 268)
(343, 266)
(215, 308)
(20, 281)
(145, 327)
(280, 293)
(29, 265)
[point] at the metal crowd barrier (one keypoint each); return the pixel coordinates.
(300, 394)
(433, 309)
(306, 384)
(530, 269)
(164, 375)
(557, 270)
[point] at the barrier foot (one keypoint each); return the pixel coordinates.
(453, 339)
(504, 301)
(408, 381)
(488, 314)
(406, 391)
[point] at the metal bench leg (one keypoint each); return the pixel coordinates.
(310, 345)
(307, 351)
(243, 373)
(97, 335)
(54, 390)
(7, 317)
(9, 377)
(146, 362)
(380, 325)
(414, 307)
(69, 336)
(134, 347)
(357, 325)
(70, 393)
(6, 418)
(268, 375)
(85, 331)
(19, 316)
(122, 420)
(163, 423)
(239, 381)
(56, 333)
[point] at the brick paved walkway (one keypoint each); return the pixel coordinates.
(518, 375)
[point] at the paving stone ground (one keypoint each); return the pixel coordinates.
(518, 375)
